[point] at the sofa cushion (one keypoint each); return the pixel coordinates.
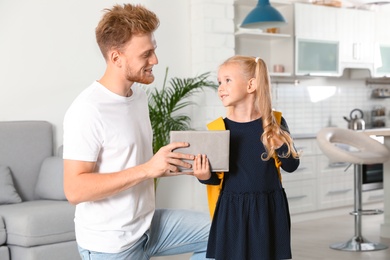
(3, 235)
(23, 147)
(4, 253)
(39, 222)
(50, 184)
(8, 193)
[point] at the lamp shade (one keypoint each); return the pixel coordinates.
(263, 16)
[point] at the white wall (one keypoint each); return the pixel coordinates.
(48, 53)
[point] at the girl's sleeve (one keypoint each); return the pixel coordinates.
(289, 164)
(214, 180)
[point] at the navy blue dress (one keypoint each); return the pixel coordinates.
(252, 219)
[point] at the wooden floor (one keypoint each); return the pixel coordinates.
(311, 238)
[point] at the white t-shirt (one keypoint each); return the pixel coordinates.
(115, 132)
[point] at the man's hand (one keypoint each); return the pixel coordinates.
(165, 162)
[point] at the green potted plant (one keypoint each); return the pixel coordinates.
(166, 104)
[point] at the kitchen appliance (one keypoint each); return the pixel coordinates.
(355, 120)
(372, 177)
(372, 174)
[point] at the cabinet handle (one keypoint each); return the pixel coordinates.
(297, 197)
(376, 197)
(332, 192)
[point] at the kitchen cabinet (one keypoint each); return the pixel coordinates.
(356, 34)
(300, 185)
(336, 186)
(317, 57)
(316, 44)
(382, 45)
(382, 68)
(315, 22)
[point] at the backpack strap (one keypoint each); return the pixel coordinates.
(214, 190)
(278, 163)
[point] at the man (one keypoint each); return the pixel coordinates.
(109, 165)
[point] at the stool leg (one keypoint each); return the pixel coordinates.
(358, 242)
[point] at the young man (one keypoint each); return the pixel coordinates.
(109, 165)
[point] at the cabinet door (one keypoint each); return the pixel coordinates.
(315, 22)
(382, 45)
(383, 64)
(335, 184)
(356, 32)
(317, 57)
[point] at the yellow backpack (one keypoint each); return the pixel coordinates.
(214, 190)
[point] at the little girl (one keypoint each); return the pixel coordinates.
(251, 219)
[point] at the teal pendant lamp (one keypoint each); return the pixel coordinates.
(263, 16)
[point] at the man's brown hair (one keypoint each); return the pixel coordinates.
(120, 23)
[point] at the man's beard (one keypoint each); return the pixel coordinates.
(134, 77)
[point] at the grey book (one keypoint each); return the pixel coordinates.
(215, 144)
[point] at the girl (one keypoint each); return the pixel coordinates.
(252, 219)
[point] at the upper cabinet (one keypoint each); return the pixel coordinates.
(318, 40)
(356, 32)
(316, 43)
(315, 22)
(382, 45)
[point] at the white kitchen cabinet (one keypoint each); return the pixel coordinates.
(382, 65)
(372, 196)
(356, 34)
(301, 195)
(316, 40)
(335, 184)
(317, 57)
(382, 45)
(300, 186)
(315, 22)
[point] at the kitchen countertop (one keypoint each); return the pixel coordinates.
(304, 136)
(377, 131)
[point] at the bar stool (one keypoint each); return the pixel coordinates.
(357, 148)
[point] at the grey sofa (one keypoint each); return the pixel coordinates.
(36, 221)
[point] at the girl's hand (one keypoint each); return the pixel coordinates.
(201, 167)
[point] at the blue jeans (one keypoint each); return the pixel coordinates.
(172, 232)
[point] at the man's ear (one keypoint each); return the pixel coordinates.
(252, 86)
(114, 57)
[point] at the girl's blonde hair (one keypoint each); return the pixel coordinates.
(256, 68)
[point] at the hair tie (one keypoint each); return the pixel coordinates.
(257, 59)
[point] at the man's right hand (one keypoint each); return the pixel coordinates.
(165, 162)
